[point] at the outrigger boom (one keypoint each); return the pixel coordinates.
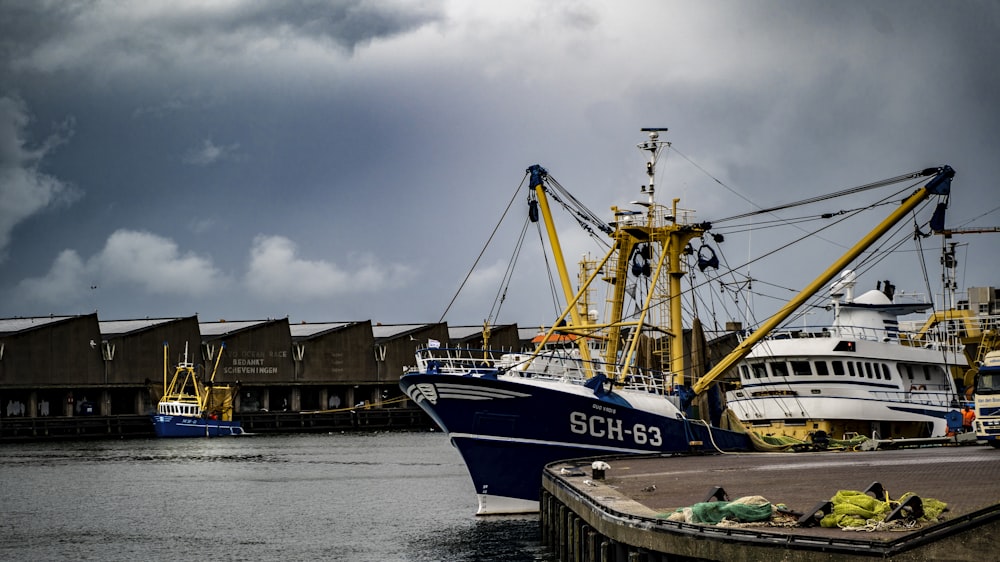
(940, 184)
(674, 237)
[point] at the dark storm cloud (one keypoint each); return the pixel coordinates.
(24, 188)
(26, 25)
(334, 160)
(815, 86)
(52, 36)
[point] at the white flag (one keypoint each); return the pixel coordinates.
(433, 344)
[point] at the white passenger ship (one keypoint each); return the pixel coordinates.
(854, 377)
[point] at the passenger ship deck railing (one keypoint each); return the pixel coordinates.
(942, 397)
(933, 340)
(955, 329)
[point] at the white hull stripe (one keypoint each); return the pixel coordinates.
(415, 394)
(543, 443)
(470, 391)
(432, 392)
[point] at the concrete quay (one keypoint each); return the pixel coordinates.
(622, 516)
(14, 430)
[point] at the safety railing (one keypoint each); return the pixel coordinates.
(932, 397)
(555, 364)
(933, 340)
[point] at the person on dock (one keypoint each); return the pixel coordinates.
(968, 416)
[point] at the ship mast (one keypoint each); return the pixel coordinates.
(655, 235)
(663, 230)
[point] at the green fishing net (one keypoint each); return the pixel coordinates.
(745, 510)
(852, 508)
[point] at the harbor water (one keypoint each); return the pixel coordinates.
(346, 496)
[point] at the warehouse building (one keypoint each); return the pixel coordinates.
(73, 366)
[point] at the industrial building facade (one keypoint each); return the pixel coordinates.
(81, 366)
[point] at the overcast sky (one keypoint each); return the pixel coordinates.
(348, 159)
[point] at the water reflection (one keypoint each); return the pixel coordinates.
(358, 497)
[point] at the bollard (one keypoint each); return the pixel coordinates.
(598, 468)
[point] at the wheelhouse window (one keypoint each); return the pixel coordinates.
(912, 371)
(886, 374)
(838, 368)
(801, 368)
(779, 369)
(759, 370)
(821, 368)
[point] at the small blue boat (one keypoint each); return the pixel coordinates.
(194, 408)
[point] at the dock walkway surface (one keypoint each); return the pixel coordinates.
(626, 511)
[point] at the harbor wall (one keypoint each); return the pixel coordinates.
(140, 426)
(604, 525)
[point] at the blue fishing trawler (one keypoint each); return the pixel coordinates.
(191, 407)
(593, 387)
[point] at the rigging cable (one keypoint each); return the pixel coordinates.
(990, 212)
(913, 175)
(483, 251)
(732, 271)
(797, 240)
(553, 290)
(793, 221)
(849, 191)
(586, 218)
(919, 175)
(508, 275)
(942, 333)
(834, 223)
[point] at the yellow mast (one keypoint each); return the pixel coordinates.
(486, 340)
(938, 185)
(166, 365)
(537, 175)
(678, 241)
(672, 236)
